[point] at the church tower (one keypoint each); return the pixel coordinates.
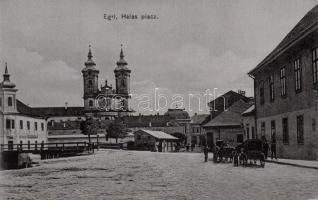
(122, 76)
(8, 103)
(90, 79)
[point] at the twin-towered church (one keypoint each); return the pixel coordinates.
(19, 122)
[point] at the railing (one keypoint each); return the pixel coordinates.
(35, 147)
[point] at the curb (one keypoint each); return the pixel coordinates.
(292, 164)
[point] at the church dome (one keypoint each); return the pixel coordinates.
(6, 83)
(177, 113)
(122, 64)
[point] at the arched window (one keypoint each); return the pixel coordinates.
(10, 101)
(90, 103)
(90, 82)
(123, 83)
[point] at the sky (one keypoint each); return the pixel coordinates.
(190, 47)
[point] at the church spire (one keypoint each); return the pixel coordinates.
(121, 52)
(89, 56)
(89, 61)
(6, 78)
(6, 75)
(121, 56)
(6, 69)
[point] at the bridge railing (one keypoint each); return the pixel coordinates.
(47, 146)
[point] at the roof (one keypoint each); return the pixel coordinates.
(198, 119)
(230, 95)
(177, 113)
(249, 111)
(230, 117)
(145, 120)
(158, 134)
(26, 110)
(58, 111)
(305, 25)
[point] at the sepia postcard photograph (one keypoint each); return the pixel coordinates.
(159, 100)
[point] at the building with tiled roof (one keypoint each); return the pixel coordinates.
(286, 92)
(197, 136)
(227, 125)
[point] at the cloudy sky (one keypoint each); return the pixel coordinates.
(191, 46)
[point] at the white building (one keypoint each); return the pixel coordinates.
(16, 121)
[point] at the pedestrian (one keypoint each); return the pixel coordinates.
(265, 147)
(192, 146)
(273, 149)
(206, 153)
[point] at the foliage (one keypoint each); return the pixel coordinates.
(89, 127)
(116, 130)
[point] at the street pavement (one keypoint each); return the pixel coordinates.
(116, 174)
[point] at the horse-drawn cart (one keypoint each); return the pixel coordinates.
(252, 151)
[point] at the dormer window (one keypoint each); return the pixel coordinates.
(10, 102)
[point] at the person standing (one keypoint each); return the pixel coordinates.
(273, 149)
(265, 147)
(206, 153)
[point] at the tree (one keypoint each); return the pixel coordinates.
(116, 130)
(182, 138)
(89, 127)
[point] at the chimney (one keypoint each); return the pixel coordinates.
(241, 92)
(66, 104)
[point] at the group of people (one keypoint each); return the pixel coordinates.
(272, 148)
(266, 147)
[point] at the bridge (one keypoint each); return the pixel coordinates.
(10, 152)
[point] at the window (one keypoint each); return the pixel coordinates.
(10, 101)
(273, 130)
(28, 125)
(315, 65)
(12, 124)
(247, 131)
(285, 130)
(0, 101)
(298, 80)
(90, 103)
(239, 138)
(263, 129)
(123, 83)
(21, 124)
(253, 132)
(35, 126)
(271, 87)
(313, 124)
(42, 126)
(261, 92)
(283, 81)
(8, 124)
(90, 84)
(300, 129)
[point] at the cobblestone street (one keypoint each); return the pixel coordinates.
(146, 175)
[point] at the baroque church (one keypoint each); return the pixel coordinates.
(106, 100)
(20, 122)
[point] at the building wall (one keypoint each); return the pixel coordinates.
(307, 150)
(228, 134)
(196, 135)
(17, 134)
(295, 103)
(249, 127)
